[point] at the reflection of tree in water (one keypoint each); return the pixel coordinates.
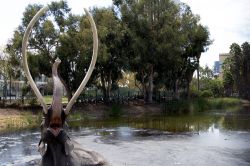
(236, 122)
(130, 129)
(178, 124)
(169, 124)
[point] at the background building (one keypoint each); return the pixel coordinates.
(217, 68)
(222, 58)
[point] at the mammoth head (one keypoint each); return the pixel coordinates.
(55, 114)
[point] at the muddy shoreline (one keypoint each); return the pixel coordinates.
(16, 118)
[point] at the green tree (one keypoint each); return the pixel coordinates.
(236, 70)
(44, 38)
(216, 86)
(228, 81)
(76, 47)
(196, 38)
(167, 42)
(206, 73)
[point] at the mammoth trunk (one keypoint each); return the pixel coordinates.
(57, 90)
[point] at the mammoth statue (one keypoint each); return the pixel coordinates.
(55, 146)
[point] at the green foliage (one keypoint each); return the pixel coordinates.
(206, 93)
(33, 102)
(48, 99)
(208, 83)
(200, 104)
(160, 41)
(205, 73)
(23, 121)
(222, 103)
(166, 44)
(236, 70)
(75, 51)
(42, 45)
(76, 116)
(115, 111)
(216, 87)
(194, 93)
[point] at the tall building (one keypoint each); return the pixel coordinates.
(222, 58)
(217, 71)
(217, 68)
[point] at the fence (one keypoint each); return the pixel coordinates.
(89, 95)
(121, 95)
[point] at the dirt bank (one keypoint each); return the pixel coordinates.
(17, 118)
(11, 118)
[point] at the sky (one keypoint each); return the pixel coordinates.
(227, 20)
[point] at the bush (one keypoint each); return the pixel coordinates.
(200, 104)
(33, 102)
(194, 93)
(207, 93)
(220, 103)
(115, 111)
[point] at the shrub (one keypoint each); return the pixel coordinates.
(194, 93)
(220, 103)
(33, 102)
(115, 111)
(199, 104)
(207, 93)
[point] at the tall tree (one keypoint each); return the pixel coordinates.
(152, 25)
(239, 62)
(76, 47)
(44, 39)
(228, 80)
(167, 42)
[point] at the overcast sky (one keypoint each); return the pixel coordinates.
(228, 20)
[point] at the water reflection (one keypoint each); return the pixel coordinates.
(171, 124)
(206, 139)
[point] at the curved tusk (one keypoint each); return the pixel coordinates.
(91, 66)
(25, 62)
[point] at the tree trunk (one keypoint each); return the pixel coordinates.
(109, 84)
(198, 77)
(104, 89)
(176, 94)
(144, 88)
(188, 89)
(67, 88)
(151, 85)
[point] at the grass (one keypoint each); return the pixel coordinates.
(222, 103)
(200, 104)
(28, 120)
(23, 121)
(48, 99)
